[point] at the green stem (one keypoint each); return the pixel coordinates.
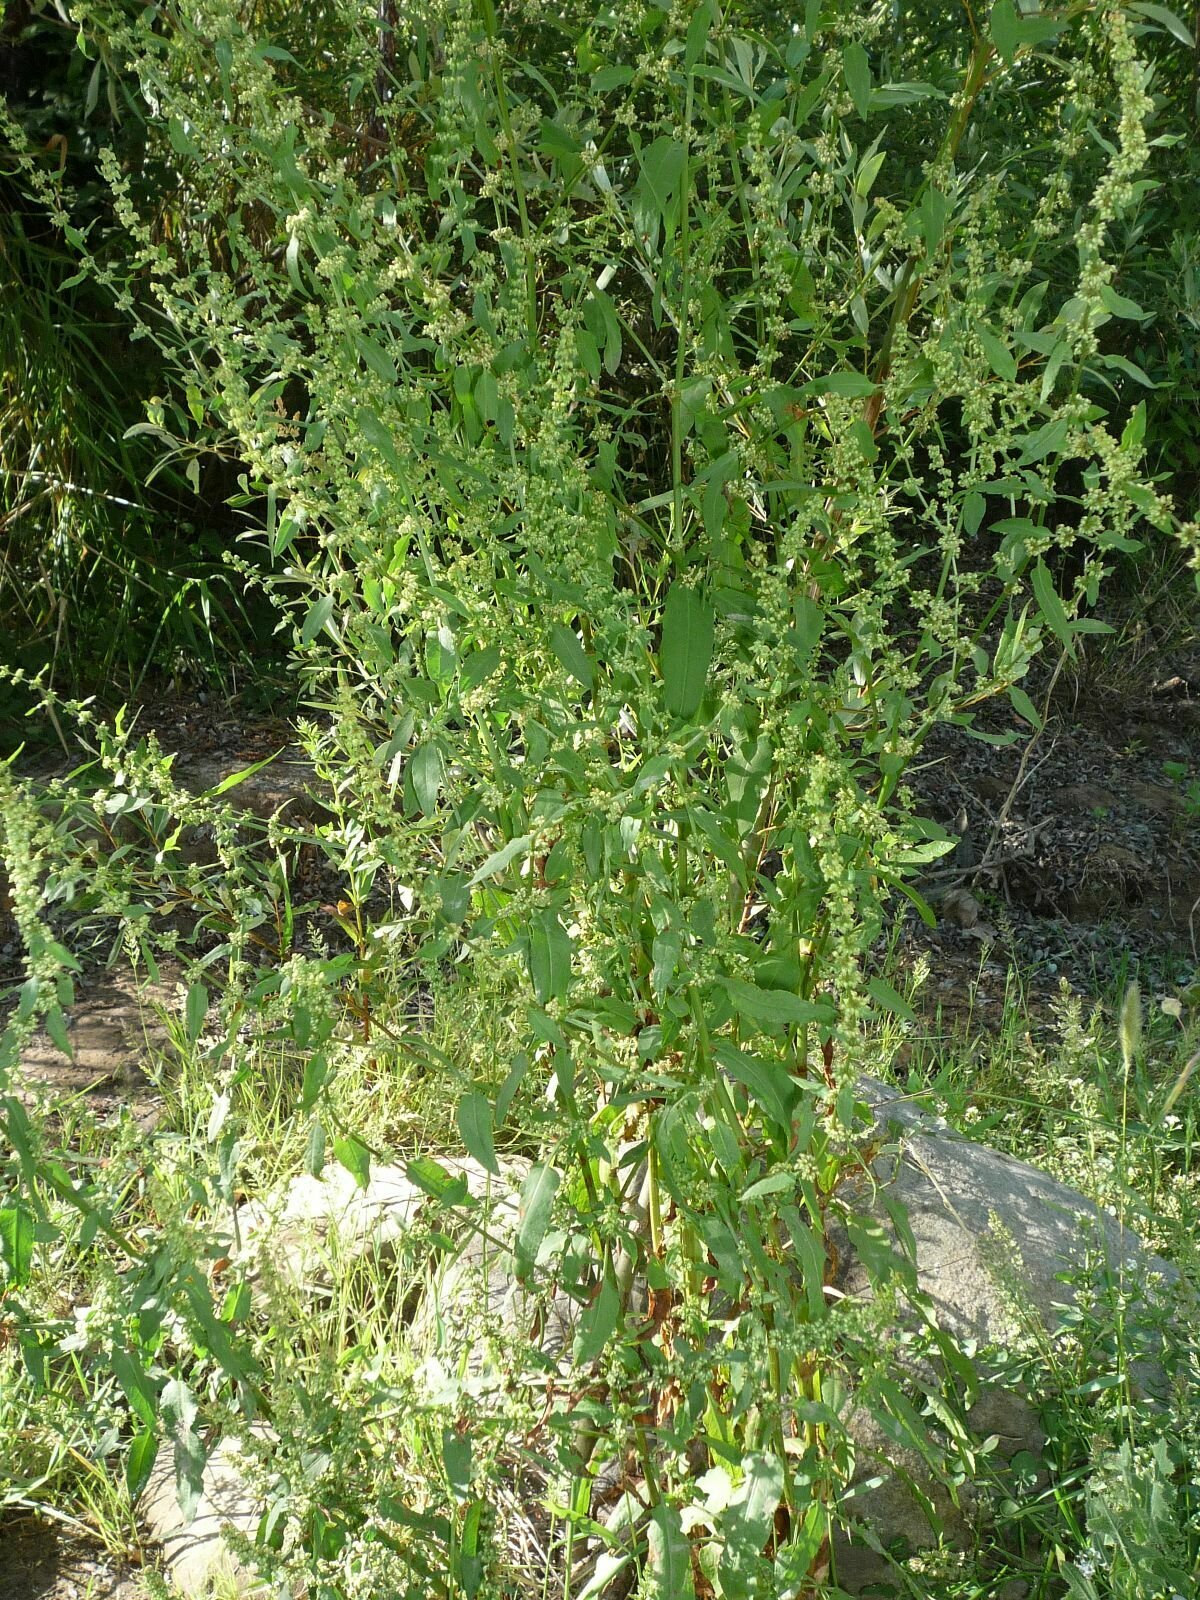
(685, 292)
(487, 11)
(911, 277)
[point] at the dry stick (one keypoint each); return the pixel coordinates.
(1022, 775)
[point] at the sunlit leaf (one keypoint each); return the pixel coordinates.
(16, 1241)
(686, 649)
(139, 1463)
(535, 1210)
(669, 1570)
(474, 1118)
(355, 1157)
(549, 957)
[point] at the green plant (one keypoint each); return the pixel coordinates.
(652, 451)
(1178, 773)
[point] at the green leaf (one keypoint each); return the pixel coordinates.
(139, 1463)
(374, 357)
(474, 1118)
(868, 172)
(441, 657)
(856, 69)
(425, 770)
(1046, 441)
(512, 1082)
(873, 1247)
(608, 1564)
(190, 1461)
(355, 1157)
(697, 34)
(1024, 706)
(180, 141)
(662, 170)
(774, 1007)
(1119, 305)
(598, 1323)
(670, 1556)
(1167, 18)
(850, 385)
(773, 1183)
(611, 78)
(232, 779)
(1130, 369)
(195, 1011)
(974, 506)
(238, 1301)
(1135, 429)
(56, 1026)
(379, 437)
(314, 1149)
(999, 357)
(533, 1217)
(686, 649)
(16, 1241)
(1051, 607)
(470, 1555)
(768, 1082)
(138, 1387)
(178, 1407)
(549, 957)
(570, 652)
(1005, 29)
(479, 666)
(884, 995)
(747, 1522)
(589, 353)
(932, 214)
(447, 1188)
(499, 859)
(318, 615)
(456, 1459)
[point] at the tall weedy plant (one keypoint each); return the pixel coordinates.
(661, 421)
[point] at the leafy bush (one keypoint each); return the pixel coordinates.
(662, 419)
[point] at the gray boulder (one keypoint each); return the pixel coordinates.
(992, 1240)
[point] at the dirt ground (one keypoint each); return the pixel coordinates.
(40, 1562)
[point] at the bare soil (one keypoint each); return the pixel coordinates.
(38, 1561)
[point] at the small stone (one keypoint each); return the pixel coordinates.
(961, 908)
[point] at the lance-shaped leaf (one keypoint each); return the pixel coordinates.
(686, 649)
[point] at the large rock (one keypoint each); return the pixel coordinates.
(300, 1237)
(994, 1236)
(994, 1239)
(195, 1554)
(1000, 1248)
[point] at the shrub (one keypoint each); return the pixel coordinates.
(662, 419)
